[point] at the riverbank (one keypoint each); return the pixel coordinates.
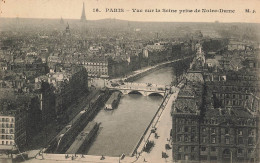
(163, 127)
(145, 71)
(162, 122)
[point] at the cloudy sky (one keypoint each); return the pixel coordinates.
(72, 9)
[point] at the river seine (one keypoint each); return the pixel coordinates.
(121, 129)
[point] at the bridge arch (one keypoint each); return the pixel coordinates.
(135, 92)
(156, 94)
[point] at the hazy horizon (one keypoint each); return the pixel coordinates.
(55, 9)
(141, 21)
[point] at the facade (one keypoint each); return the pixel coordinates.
(185, 126)
(20, 120)
(97, 69)
(216, 134)
(7, 129)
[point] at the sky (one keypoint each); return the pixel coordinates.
(71, 9)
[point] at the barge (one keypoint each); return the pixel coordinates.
(113, 101)
(83, 140)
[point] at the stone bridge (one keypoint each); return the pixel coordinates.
(141, 88)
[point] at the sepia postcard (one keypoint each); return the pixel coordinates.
(107, 81)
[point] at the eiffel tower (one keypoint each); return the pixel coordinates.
(83, 15)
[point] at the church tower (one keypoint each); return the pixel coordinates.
(83, 15)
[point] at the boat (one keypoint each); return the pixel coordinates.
(113, 101)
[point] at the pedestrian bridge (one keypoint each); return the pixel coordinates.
(141, 88)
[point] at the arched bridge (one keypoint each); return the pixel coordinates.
(142, 88)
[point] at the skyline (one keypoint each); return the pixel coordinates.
(55, 9)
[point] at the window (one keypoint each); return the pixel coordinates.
(179, 157)
(240, 132)
(186, 129)
(192, 138)
(3, 136)
(226, 131)
(3, 142)
(179, 129)
(250, 141)
(250, 132)
(204, 139)
(186, 157)
(192, 149)
(250, 151)
(226, 102)
(240, 140)
(213, 140)
(213, 149)
(203, 149)
(203, 157)
(179, 138)
(179, 149)
(213, 158)
(193, 129)
(213, 131)
(186, 149)
(240, 151)
(203, 129)
(186, 138)
(227, 140)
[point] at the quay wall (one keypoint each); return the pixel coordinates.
(76, 125)
(144, 73)
(149, 127)
(134, 77)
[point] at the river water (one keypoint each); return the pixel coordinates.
(122, 128)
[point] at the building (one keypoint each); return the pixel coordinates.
(19, 120)
(185, 126)
(216, 120)
(215, 133)
(65, 86)
(97, 67)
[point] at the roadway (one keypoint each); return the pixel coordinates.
(163, 126)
